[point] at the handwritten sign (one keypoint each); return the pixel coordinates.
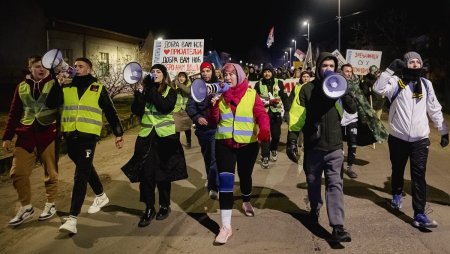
(361, 60)
(179, 55)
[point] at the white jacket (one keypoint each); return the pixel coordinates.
(408, 116)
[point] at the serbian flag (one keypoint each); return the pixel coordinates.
(299, 54)
(270, 38)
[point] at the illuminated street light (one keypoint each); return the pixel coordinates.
(306, 23)
(295, 47)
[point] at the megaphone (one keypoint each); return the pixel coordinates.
(334, 85)
(53, 60)
(200, 89)
(133, 73)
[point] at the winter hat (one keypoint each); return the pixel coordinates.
(160, 67)
(413, 55)
(236, 69)
(267, 67)
(206, 65)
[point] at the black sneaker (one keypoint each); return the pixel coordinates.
(147, 217)
(163, 212)
(340, 235)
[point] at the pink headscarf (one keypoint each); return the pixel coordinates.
(237, 69)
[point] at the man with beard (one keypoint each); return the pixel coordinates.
(412, 97)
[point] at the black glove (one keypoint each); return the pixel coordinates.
(444, 140)
(292, 150)
(148, 81)
(397, 65)
(349, 103)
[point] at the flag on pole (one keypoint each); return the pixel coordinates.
(308, 58)
(270, 38)
(299, 54)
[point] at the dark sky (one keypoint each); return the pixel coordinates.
(226, 25)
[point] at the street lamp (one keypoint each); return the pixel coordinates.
(290, 56)
(295, 46)
(306, 23)
(285, 57)
(339, 25)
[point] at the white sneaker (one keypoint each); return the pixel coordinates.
(273, 155)
(24, 214)
(99, 202)
(48, 212)
(223, 235)
(70, 226)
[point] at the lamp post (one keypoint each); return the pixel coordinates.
(339, 25)
(306, 23)
(290, 57)
(295, 48)
(285, 57)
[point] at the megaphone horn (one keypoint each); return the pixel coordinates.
(200, 89)
(334, 85)
(53, 59)
(133, 73)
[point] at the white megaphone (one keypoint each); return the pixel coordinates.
(133, 73)
(53, 60)
(334, 85)
(200, 89)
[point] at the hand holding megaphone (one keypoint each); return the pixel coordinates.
(54, 61)
(200, 89)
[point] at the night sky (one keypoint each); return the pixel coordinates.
(237, 29)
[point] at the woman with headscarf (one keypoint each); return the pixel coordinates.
(239, 113)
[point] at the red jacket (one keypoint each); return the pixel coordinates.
(232, 97)
(35, 135)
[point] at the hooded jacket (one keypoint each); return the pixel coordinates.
(322, 127)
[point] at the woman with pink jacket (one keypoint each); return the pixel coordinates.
(239, 113)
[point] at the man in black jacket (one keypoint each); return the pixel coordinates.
(274, 98)
(83, 102)
(323, 146)
(198, 112)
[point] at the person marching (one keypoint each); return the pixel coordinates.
(83, 102)
(158, 144)
(274, 97)
(238, 113)
(412, 97)
(182, 120)
(36, 127)
(319, 119)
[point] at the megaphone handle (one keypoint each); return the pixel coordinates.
(54, 58)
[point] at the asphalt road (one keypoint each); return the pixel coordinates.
(279, 197)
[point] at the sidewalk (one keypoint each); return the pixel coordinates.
(279, 197)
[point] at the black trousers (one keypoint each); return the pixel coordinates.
(351, 131)
(275, 131)
(417, 152)
(245, 158)
(81, 152)
(147, 193)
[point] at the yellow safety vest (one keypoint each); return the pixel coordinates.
(152, 118)
(84, 114)
(265, 96)
(36, 109)
(181, 100)
(241, 127)
(297, 113)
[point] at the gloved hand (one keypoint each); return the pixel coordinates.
(264, 136)
(149, 81)
(292, 150)
(444, 140)
(397, 65)
(274, 102)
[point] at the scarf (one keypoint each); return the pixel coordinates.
(412, 75)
